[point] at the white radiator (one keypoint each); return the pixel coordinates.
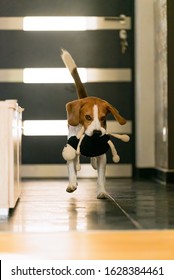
(10, 154)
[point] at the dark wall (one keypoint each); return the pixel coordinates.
(65, 8)
(93, 49)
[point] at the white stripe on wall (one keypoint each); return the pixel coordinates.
(51, 75)
(60, 171)
(64, 23)
(61, 75)
(45, 127)
(115, 127)
(11, 75)
(60, 127)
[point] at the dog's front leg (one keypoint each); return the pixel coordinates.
(101, 168)
(72, 176)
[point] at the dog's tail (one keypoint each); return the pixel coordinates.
(70, 64)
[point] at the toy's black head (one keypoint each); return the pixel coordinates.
(95, 145)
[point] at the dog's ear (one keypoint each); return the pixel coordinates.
(115, 113)
(73, 110)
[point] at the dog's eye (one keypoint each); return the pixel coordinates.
(88, 117)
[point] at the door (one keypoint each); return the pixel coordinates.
(30, 58)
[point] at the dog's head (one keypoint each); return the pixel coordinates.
(91, 112)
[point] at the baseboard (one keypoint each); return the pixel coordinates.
(60, 171)
(144, 173)
(162, 175)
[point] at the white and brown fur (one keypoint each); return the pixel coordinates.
(90, 113)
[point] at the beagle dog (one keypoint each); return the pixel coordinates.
(90, 114)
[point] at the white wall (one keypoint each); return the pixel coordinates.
(144, 75)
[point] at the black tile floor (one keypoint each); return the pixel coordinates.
(45, 206)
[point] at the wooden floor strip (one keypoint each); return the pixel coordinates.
(91, 245)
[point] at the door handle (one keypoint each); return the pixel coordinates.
(121, 19)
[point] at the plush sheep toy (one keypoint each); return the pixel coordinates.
(91, 146)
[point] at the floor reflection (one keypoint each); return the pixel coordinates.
(46, 207)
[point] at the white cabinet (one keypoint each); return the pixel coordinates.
(10, 154)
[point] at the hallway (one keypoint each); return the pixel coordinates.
(133, 73)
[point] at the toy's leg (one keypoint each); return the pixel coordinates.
(101, 168)
(72, 176)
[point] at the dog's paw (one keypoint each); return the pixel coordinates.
(102, 195)
(71, 188)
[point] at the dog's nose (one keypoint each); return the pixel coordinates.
(97, 132)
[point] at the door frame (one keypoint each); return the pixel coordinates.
(144, 85)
